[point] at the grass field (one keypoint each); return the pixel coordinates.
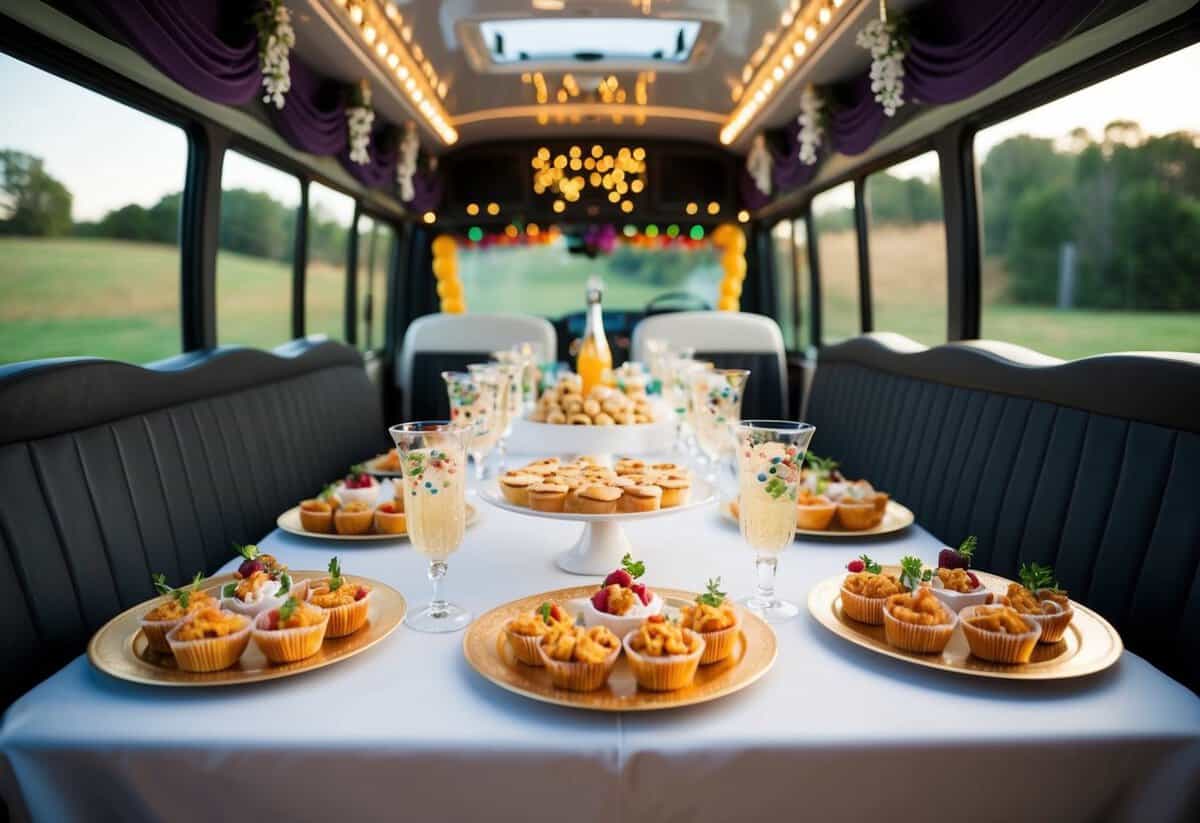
(69, 296)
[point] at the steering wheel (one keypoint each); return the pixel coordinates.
(686, 302)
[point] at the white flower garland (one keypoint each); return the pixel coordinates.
(406, 167)
(811, 116)
(881, 37)
(275, 41)
(359, 119)
(758, 164)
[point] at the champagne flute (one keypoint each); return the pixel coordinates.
(769, 456)
(675, 390)
(433, 462)
(716, 396)
(475, 402)
(508, 376)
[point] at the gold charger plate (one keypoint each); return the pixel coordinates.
(289, 522)
(487, 650)
(896, 517)
(119, 647)
(1090, 645)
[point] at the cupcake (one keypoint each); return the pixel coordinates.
(814, 512)
(345, 601)
(209, 640)
(675, 491)
(354, 518)
(180, 603)
(621, 603)
(547, 497)
(316, 516)
(525, 632)
(515, 487)
(1042, 600)
(640, 499)
(358, 487)
(1000, 633)
(662, 655)
(579, 659)
(865, 589)
(390, 517)
(597, 499)
(291, 632)
(918, 622)
(715, 619)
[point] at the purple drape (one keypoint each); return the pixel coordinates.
(959, 47)
(787, 170)
(855, 119)
(313, 118)
(427, 192)
(209, 47)
(380, 171)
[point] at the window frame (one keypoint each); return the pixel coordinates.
(390, 292)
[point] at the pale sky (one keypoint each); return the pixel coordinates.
(109, 155)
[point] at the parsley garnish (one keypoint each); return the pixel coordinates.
(335, 574)
(912, 572)
(288, 609)
(229, 590)
(1036, 577)
(285, 584)
(966, 549)
(714, 596)
(870, 565)
(182, 595)
(636, 568)
(544, 611)
(823, 466)
(249, 551)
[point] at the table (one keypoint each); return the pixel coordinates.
(833, 732)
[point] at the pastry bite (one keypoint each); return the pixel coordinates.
(663, 655)
(525, 631)
(343, 600)
(390, 517)
(1000, 633)
(548, 497)
(210, 640)
(180, 603)
(865, 589)
(715, 619)
(598, 499)
(622, 603)
(918, 622)
(261, 582)
(856, 509)
(291, 632)
(354, 517)
(629, 465)
(1040, 598)
(814, 512)
(316, 515)
(579, 659)
(636, 499)
(675, 491)
(956, 585)
(515, 487)
(358, 486)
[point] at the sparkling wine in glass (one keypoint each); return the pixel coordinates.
(433, 461)
(475, 403)
(716, 409)
(508, 377)
(769, 456)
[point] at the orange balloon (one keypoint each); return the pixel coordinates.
(456, 306)
(444, 245)
(729, 304)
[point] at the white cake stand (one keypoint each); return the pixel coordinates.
(603, 542)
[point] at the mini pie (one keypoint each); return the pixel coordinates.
(718, 625)
(814, 512)
(598, 499)
(640, 498)
(548, 497)
(390, 517)
(355, 517)
(515, 487)
(158, 622)
(857, 515)
(316, 516)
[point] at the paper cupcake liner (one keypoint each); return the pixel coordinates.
(354, 522)
(209, 654)
(344, 620)
(857, 517)
(156, 632)
(525, 646)
(999, 647)
(288, 645)
(319, 522)
(578, 677)
(663, 674)
(719, 645)
(1054, 626)
(911, 637)
(814, 518)
(867, 610)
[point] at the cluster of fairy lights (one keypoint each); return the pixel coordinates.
(777, 59)
(385, 31)
(567, 176)
(608, 91)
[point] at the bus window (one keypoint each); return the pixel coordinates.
(89, 251)
(837, 256)
(257, 236)
(375, 240)
(329, 216)
(907, 241)
(789, 245)
(1091, 214)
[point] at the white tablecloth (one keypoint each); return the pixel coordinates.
(833, 732)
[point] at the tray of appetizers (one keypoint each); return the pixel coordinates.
(965, 621)
(676, 648)
(895, 517)
(260, 623)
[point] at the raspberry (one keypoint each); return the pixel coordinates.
(249, 567)
(974, 579)
(856, 565)
(642, 592)
(360, 594)
(621, 577)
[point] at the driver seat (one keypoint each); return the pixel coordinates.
(731, 340)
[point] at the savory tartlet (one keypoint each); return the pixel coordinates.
(345, 601)
(316, 515)
(209, 640)
(579, 659)
(715, 619)
(390, 517)
(291, 632)
(524, 632)
(1000, 634)
(180, 603)
(918, 622)
(355, 517)
(814, 512)
(865, 589)
(663, 656)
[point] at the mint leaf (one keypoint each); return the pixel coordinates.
(335, 574)
(913, 573)
(285, 584)
(636, 568)
(544, 611)
(160, 583)
(288, 609)
(966, 549)
(229, 590)
(249, 551)
(870, 565)
(1036, 577)
(714, 596)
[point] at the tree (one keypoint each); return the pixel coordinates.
(33, 203)
(1010, 169)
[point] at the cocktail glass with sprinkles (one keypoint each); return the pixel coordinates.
(769, 456)
(716, 408)
(433, 462)
(475, 402)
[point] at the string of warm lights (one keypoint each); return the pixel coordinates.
(781, 53)
(621, 176)
(608, 91)
(389, 36)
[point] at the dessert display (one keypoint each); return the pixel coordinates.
(918, 622)
(1039, 598)
(565, 404)
(579, 659)
(715, 619)
(291, 632)
(357, 487)
(954, 583)
(663, 655)
(622, 603)
(344, 601)
(525, 632)
(1000, 633)
(582, 486)
(865, 590)
(180, 603)
(209, 640)
(262, 582)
